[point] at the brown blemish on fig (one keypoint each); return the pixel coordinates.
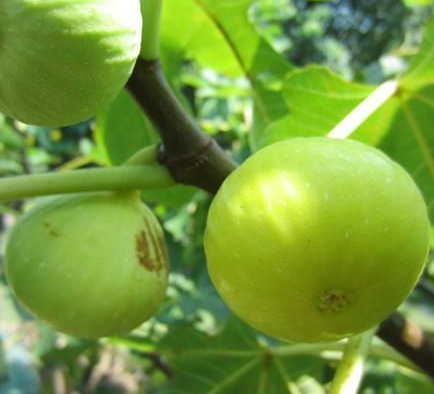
(332, 301)
(146, 240)
(142, 251)
(50, 230)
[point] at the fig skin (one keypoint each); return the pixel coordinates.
(315, 239)
(89, 265)
(60, 61)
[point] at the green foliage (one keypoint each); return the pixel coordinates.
(420, 73)
(318, 99)
(418, 2)
(233, 361)
(122, 129)
(329, 99)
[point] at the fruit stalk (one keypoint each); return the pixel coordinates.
(151, 14)
(350, 371)
(334, 351)
(131, 177)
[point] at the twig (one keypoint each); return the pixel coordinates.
(159, 363)
(192, 157)
(350, 370)
(410, 340)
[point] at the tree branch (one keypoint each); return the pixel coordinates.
(192, 157)
(159, 363)
(410, 340)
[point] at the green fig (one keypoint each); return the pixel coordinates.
(60, 61)
(89, 265)
(316, 239)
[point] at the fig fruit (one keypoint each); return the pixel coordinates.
(89, 265)
(316, 239)
(60, 61)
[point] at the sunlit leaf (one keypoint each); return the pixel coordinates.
(421, 71)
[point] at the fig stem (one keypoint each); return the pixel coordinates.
(147, 155)
(334, 351)
(350, 370)
(132, 177)
(151, 14)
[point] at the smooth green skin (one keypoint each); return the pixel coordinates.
(310, 217)
(76, 263)
(61, 60)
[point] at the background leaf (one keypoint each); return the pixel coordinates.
(232, 362)
(122, 129)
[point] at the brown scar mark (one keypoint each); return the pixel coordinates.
(143, 250)
(50, 230)
(332, 301)
(159, 244)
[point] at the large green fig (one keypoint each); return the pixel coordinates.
(60, 61)
(316, 239)
(89, 265)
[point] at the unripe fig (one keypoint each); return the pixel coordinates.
(60, 61)
(89, 265)
(316, 239)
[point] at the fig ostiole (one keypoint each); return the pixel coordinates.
(62, 61)
(89, 265)
(316, 239)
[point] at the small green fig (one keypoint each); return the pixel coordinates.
(89, 265)
(60, 61)
(316, 239)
